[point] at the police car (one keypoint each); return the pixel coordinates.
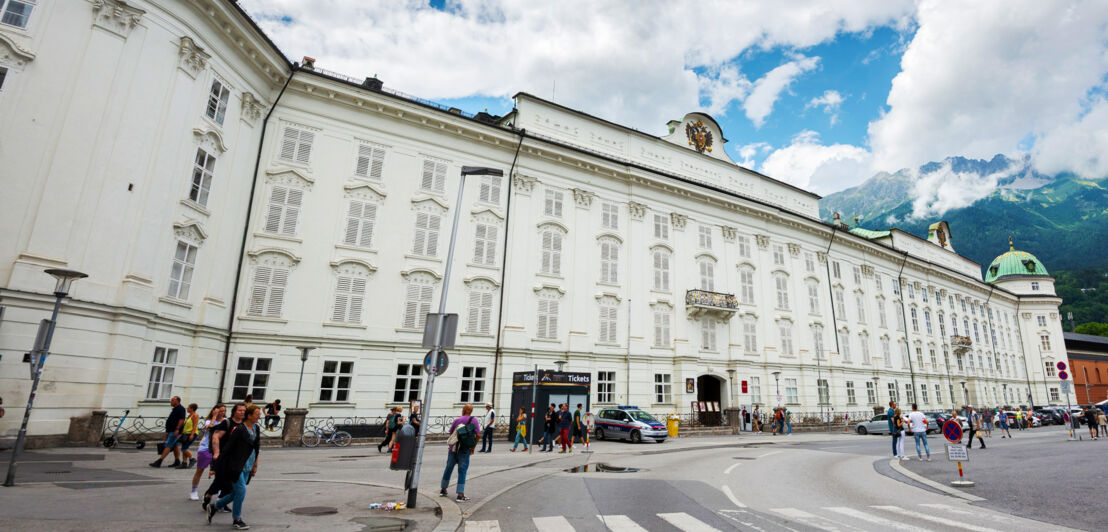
(629, 423)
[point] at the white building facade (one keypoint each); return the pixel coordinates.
(656, 264)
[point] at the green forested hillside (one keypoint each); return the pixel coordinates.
(1084, 293)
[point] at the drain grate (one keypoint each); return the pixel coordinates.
(315, 511)
(601, 468)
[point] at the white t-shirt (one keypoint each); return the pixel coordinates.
(489, 417)
(205, 443)
(918, 421)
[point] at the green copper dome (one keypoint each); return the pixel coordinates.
(1014, 263)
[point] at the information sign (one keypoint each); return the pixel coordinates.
(952, 431)
(957, 453)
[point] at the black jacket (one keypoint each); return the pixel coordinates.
(235, 448)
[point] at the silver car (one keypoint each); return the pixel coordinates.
(629, 423)
(879, 424)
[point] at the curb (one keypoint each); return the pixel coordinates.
(954, 492)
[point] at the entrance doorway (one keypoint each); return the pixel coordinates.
(709, 391)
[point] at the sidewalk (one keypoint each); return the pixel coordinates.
(95, 489)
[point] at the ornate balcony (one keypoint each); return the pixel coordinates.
(961, 343)
(703, 302)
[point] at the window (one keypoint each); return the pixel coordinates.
(661, 227)
(479, 313)
(972, 367)
(744, 246)
(755, 390)
(548, 319)
(433, 178)
(840, 304)
(850, 399)
(484, 244)
(605, 386)
(349, 295)
(283, 210)
(609, 319)
(705, 237)
(3, 76)
(785, 329)
(904, 355)
(976, 335)
(881, 315)
(1049, 368)
(938, 394)
(296, 145)
(791, 396)
(809, 262)
(551, 251)
(844, 344)
(417, 302)
(552, 206)
(1035, 285)
(371, 161)
(1053, 393)
(217, 102)
(609, 261)
(489, 191)
(746, 285)
(335, 383)
(923, 393)
(942, 324)
(16, 12)
(662, 388)
(813, 297)
(894, 395)
(857, 276)
(750, 334)
(864, 340)
(425, 238)
(886, 352)
(871, 393)
(782, 283)
(202, 170)
(609, 216)
(896, 287)
(778, 254)
(963, 302)
(836, 269)
(707, 274)
(1041, 320)
(923, 293)
(661, 269)
(859, 301)
(817, 341)
(934, 359)
(409, 378)
(708, 334)
(361, 219)
(824, 391)
(909, 393)
(915, 319)
(160, 385)
(911, 291)
(267, 294)
(927, 320)
(180, 274)
(473, 385)
(251, 378)
(877, 283)
(899, 318)
(662, 320)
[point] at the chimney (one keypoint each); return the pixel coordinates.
(373, 84)
(308, 63)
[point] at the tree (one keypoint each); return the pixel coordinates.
(1093, 328)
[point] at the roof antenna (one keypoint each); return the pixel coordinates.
(1010, 246)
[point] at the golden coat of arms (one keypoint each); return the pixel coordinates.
(699, 136)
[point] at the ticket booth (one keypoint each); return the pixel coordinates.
(554, 387)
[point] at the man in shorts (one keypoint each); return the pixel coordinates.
(173, 425)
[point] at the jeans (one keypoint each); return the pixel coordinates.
(896, 435)
(462, 461)
(237, 495)
(520, 438)
(789, 424)
(565, 439)
(922, 436)
(547, 441)
(486, 439)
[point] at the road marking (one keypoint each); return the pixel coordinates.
(955, 510)
(769, 454)
(942, 520)
(733, 466)
(686, 522)
(482, 526)
(555, 523)
(805, 517)
(856, 514)
(734, 500)
(620, 523)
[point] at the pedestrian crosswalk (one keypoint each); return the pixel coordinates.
(915, 518)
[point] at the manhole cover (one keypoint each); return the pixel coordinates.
(382, 524)
(601, 468)
(315, 510)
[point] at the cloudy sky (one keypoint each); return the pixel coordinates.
(819, 94)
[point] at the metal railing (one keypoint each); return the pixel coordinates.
(711, 299)
(134, 427)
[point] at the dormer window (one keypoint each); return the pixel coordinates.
(993, 269)
(1030, 265)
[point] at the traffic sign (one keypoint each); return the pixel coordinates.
(1066, 387)
(1063, 375)
(952, 431)
(441, 362)
(957, 453)
(1061, 366)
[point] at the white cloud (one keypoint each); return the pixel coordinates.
(830, 102)
(766, 90)
(1080, 147)
(724, 87)
(944, 189)
(749, 151)
(821, 168)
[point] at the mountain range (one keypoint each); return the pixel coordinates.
(1062, 219)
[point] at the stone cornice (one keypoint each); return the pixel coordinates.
(241, 36)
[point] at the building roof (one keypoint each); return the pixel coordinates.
(868, 234)
(1014, 263)
(1091, 338)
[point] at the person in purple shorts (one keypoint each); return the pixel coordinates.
(204, 453)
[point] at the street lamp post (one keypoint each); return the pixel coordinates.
(304, 349)
(413, 479)
(777, 383)
(876, 390)
(965, 394)
(65, 280)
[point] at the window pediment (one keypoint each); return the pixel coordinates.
(288, 176)
(416, 273)
(482, 282)
(486, 213)
(554, 225)
(209, 139)
(549, 291)
(12, 54)
(663, 247)
(609, 236)
(274, 256)
(353, 267)
(607, 297)
(366, 191)
(190, 230)
(430, 203)
(706, 255)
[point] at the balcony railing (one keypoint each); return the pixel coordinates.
(961, 341)
(698, 301)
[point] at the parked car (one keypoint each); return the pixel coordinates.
(879, 424)
(629, 423)
(1044, 418)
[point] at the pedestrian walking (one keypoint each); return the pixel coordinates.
(413, 418)
(565, 421)
(487, 425)
(239, 461)
(1019, 419)
(203, 451)
(894, 426)
(521, 430)
(392, 422)
(789, 421)
(578, 427)
(987, 421)
(221, 484)
(1102, 422)
(756, 419)
(188, 435)
(1002, 424)
(464, 432)
(1091, 422)
(918, 423)
(272, 414)
(550, 426)
(975, 424)
(173, 426)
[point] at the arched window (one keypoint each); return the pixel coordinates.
(609, 260)
(707, 274)
(661, 269)
(551, 251)
(746, 285)
(782, 284)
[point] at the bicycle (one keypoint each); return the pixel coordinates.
(338, 438)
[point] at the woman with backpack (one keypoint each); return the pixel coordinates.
(461, 443)
(521, 430)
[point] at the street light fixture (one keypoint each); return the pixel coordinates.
(777, 381)
(965, 394)
(413, 479)
(304, 349)
(65, 280)
(876, 390)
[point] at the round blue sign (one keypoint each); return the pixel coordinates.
(1061, 366)
(1063, 375)
(952, 430)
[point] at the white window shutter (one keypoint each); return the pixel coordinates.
(288, 144)
(411, 306)
(276, 300)
(258, 291)
(490, 244)
(352, 223)
(544, 313)
(552, 328)
(473, 317)
(357, 300)
(342, 300)
(486, 311)
(433, 222)
(556, 255)
(440, 177)
(547, 251)
(377, 166)
(419, 240)
(292, 211)
(304, 150)
(369, 221)
(361, 166)
(479, 244)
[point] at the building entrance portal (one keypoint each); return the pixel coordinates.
(708, 392)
